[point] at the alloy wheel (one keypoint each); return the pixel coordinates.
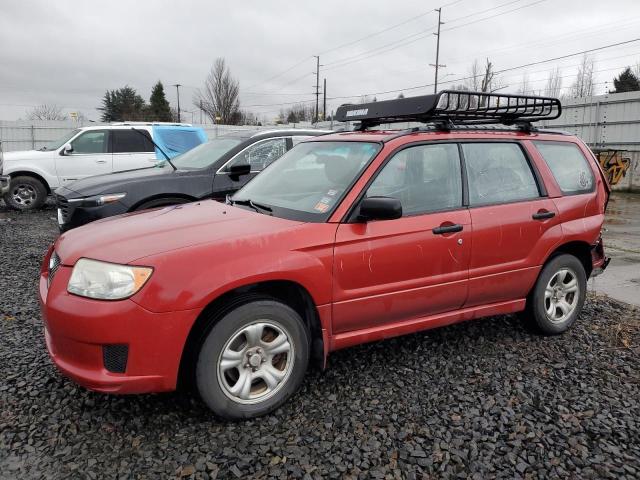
(562, 295)
(256, 362)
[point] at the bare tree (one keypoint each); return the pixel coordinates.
(554, 83)
(219, 97)
(525, 85)
(46, 112)
(583, 84)
(483, 79)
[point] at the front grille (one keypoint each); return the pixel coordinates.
(115, 357)
(63, 205)
(54, 264)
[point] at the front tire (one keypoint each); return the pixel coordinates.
(25, 193)
(252, 360)
(558, 296)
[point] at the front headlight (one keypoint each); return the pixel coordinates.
(98, 200)
(106, 281)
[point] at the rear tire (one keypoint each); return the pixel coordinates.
(558, 295)
(25, 193)
(161, 202)
(252, 360)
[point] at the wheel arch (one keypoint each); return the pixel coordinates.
(579, 249)
(288, 292)
(29, 173)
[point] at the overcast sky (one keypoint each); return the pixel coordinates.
(69, 52)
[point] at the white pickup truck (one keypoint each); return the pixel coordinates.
(27, 177)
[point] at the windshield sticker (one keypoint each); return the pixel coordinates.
(332, 193)
(321, 207)
(326, 200)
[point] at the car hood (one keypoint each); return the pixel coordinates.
(126, 238)
(26, 155)
(112, 182)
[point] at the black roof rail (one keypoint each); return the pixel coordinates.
(451, 107)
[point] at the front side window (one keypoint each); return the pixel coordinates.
(425, 178)
(568, 165)
(498, 173)
(260, 155)
(92, 141)
(131, 141)
(309, 181)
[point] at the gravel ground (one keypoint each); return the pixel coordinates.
(484, 399)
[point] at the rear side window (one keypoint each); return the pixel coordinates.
(498, 173)
(130, 141)
(568, 165)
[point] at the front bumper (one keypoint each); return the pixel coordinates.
(5, 180)
(79, 331)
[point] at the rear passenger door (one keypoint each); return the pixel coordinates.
(132, 149)
(258, 155)
(514, 223)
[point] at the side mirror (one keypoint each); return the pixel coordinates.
(239, 169)
(380, 208)
(67, 149)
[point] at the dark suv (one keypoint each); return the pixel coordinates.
(212, 170)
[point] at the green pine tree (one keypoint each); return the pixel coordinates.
(159, 109)
(122, 104)
(626, 82)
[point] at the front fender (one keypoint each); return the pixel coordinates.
(21, 167)
(193, 277)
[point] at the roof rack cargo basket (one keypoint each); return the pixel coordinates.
(454, 107)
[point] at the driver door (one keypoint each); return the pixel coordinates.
(389, 271)
(259, 155)
(91, 155)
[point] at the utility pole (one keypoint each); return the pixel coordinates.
(435, 88)
(324, 100)
(177, 85)
(317, 85)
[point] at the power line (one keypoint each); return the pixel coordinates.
(496, 15)
(420, 35)
(280, 74)
(530, 64)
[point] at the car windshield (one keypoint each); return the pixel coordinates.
(206, 154)
(309, 181)
(61, 141)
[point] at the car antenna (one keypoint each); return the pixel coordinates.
(157, 146)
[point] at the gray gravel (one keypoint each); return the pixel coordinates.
(484, 399)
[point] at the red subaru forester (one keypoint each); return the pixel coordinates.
(348, 238)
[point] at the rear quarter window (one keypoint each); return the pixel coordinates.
(569, 166)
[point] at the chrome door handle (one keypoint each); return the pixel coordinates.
(101, 161)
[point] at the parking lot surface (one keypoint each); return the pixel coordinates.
(622, 243)
(482, 399)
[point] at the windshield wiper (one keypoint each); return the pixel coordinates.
(156, 145)
(258, 207)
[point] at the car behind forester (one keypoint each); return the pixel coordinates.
(212, 170)
(348, 238)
